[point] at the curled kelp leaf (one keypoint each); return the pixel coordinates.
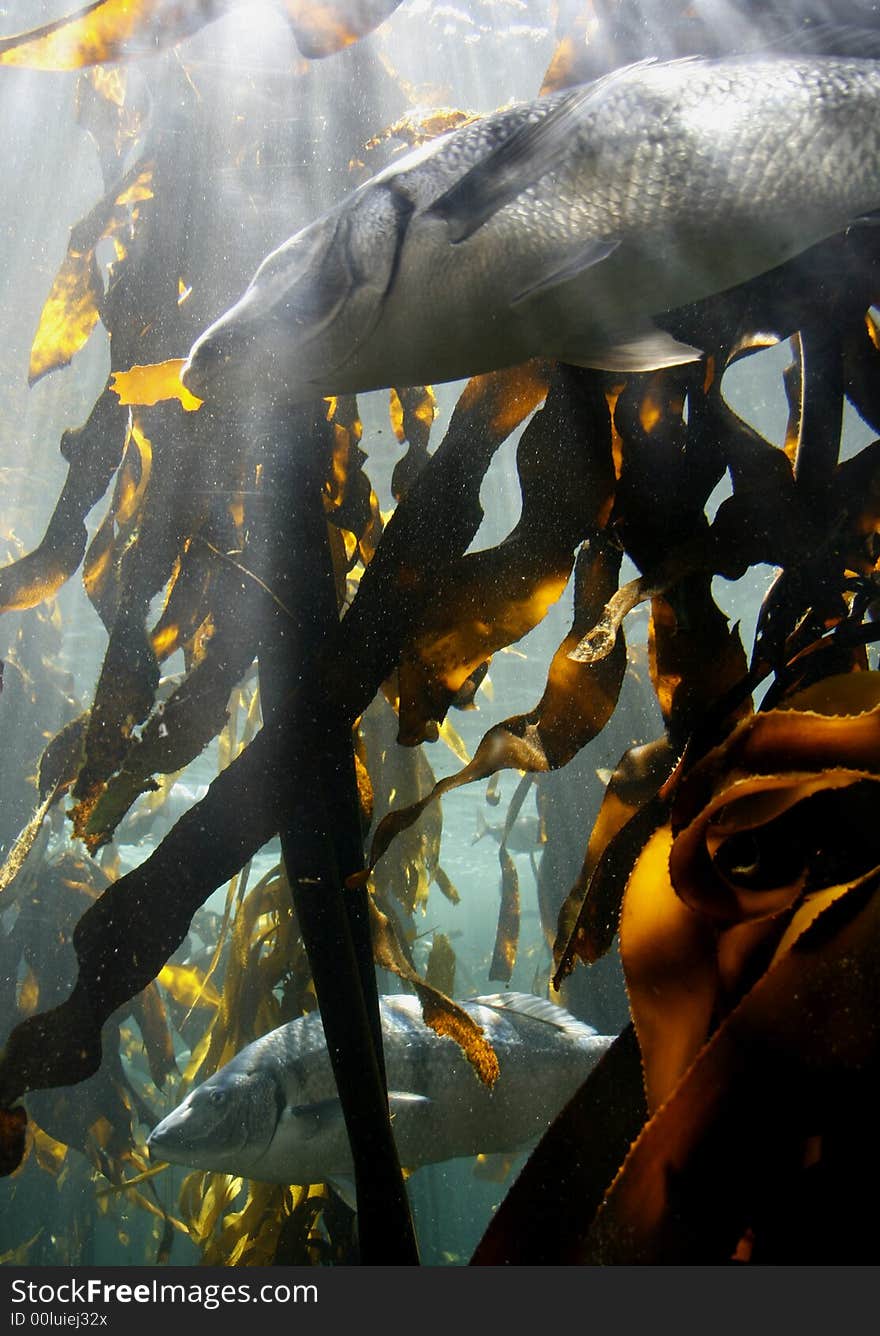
(712, 890)
(706, 1172)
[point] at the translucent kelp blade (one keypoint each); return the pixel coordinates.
(73, 306)
(148, 1010)
(627, 817)
(440, 969)
(69, 315)
(507, 934)
(490, 599)
(179, 731)
(808, 1025)
(578, 701)
(93, 453)
(433, 524)
(109, 30)
(413, 410)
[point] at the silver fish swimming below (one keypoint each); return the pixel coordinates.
(273, 1113)
(558, 228)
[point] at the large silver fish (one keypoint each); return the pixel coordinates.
(273, 1113)
(558, 228)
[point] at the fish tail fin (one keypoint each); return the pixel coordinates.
(482, 828)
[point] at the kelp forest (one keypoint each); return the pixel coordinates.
(295, 624)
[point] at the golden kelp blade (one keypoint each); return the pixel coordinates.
(148, 385)
(69, 316)
(108, 30)
(73, 305)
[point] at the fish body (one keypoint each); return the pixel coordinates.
(273, 1113)
(559, 228)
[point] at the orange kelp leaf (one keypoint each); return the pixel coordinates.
(668, 955)
(322, 27)
(799, 1051)
(69, 315)
(443, 1015)
(433, 525)
(507, 933)
(178, 732)
(109, 30)
(628, 815)
(13, 1124)
(73, 305)
(110, 110)
(148, 385)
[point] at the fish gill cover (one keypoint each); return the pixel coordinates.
(734, 858)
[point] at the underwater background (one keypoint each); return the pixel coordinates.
(153, 565)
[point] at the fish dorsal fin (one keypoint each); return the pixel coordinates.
(537, 1009)
(532, 150)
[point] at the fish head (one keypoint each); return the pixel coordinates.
(295, 333)
(226, 1124)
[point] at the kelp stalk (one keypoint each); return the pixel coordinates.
(320, 829)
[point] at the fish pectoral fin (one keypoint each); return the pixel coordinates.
(404, 1102)
(593, 253)
(343, 1185)
(314, 1119)
(649, 349)
(530, 152)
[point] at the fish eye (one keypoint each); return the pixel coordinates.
(217, 1097)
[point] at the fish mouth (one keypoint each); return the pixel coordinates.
(206, 370)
